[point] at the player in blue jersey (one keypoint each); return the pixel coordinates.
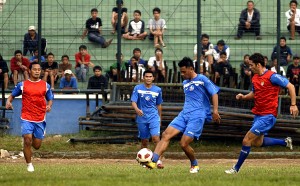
(196, 111)
(146, 100)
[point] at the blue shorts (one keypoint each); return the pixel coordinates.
(262, 124)
(37, 129)
(146, 130)
(189, 124)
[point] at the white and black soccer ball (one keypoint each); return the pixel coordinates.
(144, 155)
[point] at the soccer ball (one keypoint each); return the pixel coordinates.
(144, 155)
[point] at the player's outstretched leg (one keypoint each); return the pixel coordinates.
(287, 142)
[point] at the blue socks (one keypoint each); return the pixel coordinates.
(243, 155)
(194, 162)
(273, 141)
(155, 157)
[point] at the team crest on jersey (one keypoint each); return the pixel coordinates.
(262, 83)
(191, 88)
(147, 98)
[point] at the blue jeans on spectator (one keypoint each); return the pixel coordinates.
(96, 37)
(81, 72)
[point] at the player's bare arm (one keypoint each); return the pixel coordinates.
(248, 96)
(293, 108)
(9, 102)
(216, 116)
(138, 111)
(49, 106)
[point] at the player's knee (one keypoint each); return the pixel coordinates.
(27, 141)
(36, 146)
(246, 142)
(166, 136)
(183, 144)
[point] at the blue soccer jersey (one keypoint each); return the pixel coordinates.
(147, 100)
(197, 94)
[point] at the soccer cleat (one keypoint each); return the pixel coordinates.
(231, 171)
(150, 165)
(289, 142)
(160, 165)
(30, 168)
(194, 169)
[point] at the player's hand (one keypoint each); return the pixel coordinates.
(48, 108)
(294, 111)
(239, 96)
(216, 117)
(139, 112)
(8, 105)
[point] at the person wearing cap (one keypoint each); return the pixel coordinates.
(249, 21)
(30, 41)
(93, 28)
(221, 47)
(293, 71)
(98, 81)
(114, 18)
(68, 81)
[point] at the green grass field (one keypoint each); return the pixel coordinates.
(128, 172)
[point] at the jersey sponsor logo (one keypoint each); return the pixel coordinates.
(153, 94)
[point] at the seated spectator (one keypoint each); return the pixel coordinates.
(49, 70)
(19, 66)
(98, 81)
(159, 69)
(136, 30)
(64, 65)
(249, 21)
(93, 29)
(35, 57)
(245, 73)
(157, 28)
(285, 52)
(68, 81)
(266, 60)
(3, 72)
(112, 73)
(83, 62)
(137, 69)
(207, 52)
(2, 2)
(221, 47)
(30, 42)
(124, 18)
(137, 54)
(293, 72)
(274, 68)
(293, 19)
(222, 67)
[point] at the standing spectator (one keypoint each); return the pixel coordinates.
(68, 81)
(3, 72)
(136, 30)
(30, 42)
(49, 70)
(37, 99)
(146, 100)
(245, 73)
(293, 19)
(221, 47)
(157, 28)
(124, 18)
(93, 27)
(293, 72)
(265, 91)
(64, 65)
(35, 57)
(83, 62)
(98, 81)
(249, 21)
(285, 52)
(158, 58)
(19, 67)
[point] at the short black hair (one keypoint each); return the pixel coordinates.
(186, 62)
(33, 63)
(97, 67)
(282, 37)
(18, 52)
(221, 42)
(204, 36)
(65, 55)
(121, 2)
(136, 49)
(120, 54)
(250, 2)
(223, 53)
(94, 10)
(137, 11)
(293, 1)
(148, 71)
(82, 47)
(159, 50)
(257, 58)
(246, 55)
(156, 9)
(50, 54)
